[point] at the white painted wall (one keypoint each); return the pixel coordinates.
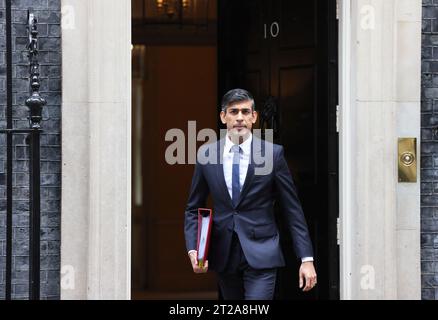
(96, 149)
(380, 45)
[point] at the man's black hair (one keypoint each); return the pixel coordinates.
(236, 95)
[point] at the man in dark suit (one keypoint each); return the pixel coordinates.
(244, 248)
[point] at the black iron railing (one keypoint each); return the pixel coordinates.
(35, 103)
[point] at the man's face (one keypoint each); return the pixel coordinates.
(239, 119)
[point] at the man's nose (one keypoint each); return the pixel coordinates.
(240, 116)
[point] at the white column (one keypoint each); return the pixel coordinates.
(380, 101)
(96, 133)
(408, 88)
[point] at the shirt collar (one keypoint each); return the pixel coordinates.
(245, 145)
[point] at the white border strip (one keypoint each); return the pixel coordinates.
(345, 151)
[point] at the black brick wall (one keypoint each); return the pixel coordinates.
(48, 13)
(429, 152)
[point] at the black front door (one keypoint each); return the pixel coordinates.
(285, 53)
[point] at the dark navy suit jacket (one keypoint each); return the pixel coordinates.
(253, 216)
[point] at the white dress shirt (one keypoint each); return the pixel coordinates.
(243, 168)
(243, 162)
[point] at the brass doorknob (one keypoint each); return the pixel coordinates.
(407, 158)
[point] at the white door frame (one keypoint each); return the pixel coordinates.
(345, 146)
(96, 149)
(379, 98)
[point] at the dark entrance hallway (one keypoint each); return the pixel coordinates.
(285, 53)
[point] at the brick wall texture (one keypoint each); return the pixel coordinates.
(429, 152)
(48, 13)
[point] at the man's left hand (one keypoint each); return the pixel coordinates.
(307, 273)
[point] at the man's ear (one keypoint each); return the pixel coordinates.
(223, 117)
(254, 116)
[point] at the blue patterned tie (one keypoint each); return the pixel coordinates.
(236, 176)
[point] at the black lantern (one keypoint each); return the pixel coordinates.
(35, 102)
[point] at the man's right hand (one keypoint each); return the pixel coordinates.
(193, 255)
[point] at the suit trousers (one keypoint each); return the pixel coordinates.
(239, 281)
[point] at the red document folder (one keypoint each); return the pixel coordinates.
(205, 221)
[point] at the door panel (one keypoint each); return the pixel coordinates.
(297, 19)
(297, 107)
(280, 51)
(242, 53)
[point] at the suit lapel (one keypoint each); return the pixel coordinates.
(255, 149)
(220, 171)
